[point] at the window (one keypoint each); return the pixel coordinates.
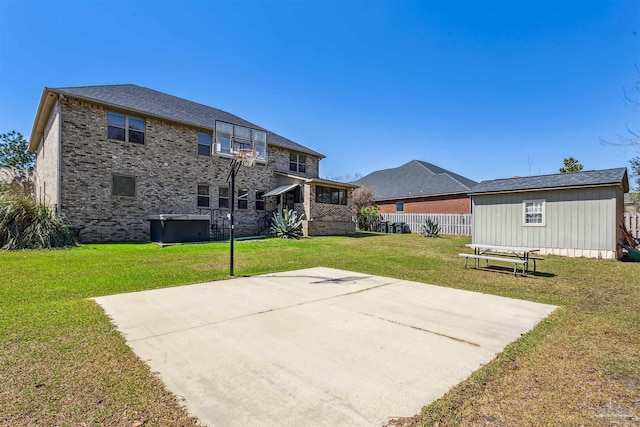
(124, 186)
(223, 197)
(259, 200)
(399, 206)
(330, 195)
(125, 128)
(203, 196)
(204, 144)
(243, 198)
(297, 162)
(231, 138)
(533, 211)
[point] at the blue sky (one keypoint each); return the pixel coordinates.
(484, 89)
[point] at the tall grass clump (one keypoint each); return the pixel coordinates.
(27, 224)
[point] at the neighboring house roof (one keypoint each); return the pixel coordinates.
(158, 104)
(415, 179)
(595, 178)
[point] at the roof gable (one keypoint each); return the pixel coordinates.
(617, 176)
(415, 179)
(158, 104)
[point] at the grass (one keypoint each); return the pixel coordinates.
(63, 363)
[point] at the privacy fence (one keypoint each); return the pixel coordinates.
(632, 221)
(458, 224)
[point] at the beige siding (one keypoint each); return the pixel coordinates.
(578, 222)
(48, 161)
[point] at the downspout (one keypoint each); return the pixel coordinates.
(59, 195)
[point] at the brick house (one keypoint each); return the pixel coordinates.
(109, 157)
(419, 187)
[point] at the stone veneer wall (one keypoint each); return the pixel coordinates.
(167, 170)
(47, 160)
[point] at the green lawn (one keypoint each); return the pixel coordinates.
(62, 363)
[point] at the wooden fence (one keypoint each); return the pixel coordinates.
(632, 221)
(457, 224)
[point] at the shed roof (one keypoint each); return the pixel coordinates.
(415, 179)
(594, 178)
(158, 104)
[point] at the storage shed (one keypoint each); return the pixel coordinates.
(573, 214)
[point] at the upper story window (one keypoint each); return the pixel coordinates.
(125, 128)
(533, 212)
(330, 195)
(122, 185)
(297, 162)
(230, 138)
(203, 196)
(204, 144)
(399, 206)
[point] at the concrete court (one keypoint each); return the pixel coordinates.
(315, 347)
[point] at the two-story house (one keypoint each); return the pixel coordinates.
(110, 157)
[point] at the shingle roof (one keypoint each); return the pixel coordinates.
(159, 104)
(415, 179)
(593, 178)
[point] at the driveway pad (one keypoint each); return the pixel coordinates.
(316, 347)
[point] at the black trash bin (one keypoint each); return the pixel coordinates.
(400, 227)
(384, 226)
(391, 227)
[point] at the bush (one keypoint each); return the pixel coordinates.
(27, 224)
(286, 224)
(431, 228)
(369, 218)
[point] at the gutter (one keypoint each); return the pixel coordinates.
(59, 195)
(531, 190)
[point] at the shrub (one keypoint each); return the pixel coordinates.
(368, 218)
(27, 224)
(431, 228)
(286, 224)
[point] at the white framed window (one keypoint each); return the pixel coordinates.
(399, 206)
(533, 212)
(243, 198)
(330, 195)
(297, 162)
(204, 199)
(230, 138)
(125, 128)
(204, 144)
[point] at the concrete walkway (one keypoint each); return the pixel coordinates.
(315, 347)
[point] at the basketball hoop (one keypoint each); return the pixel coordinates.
(247, 157)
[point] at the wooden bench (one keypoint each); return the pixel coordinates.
(488, 258)
(504, 254)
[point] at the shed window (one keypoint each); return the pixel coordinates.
(533, 211)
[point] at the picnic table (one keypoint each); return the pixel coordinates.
(513, 254)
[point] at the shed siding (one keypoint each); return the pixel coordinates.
(578, 222)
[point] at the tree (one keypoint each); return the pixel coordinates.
(571, 165)
(14, 152)
(362, 198)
